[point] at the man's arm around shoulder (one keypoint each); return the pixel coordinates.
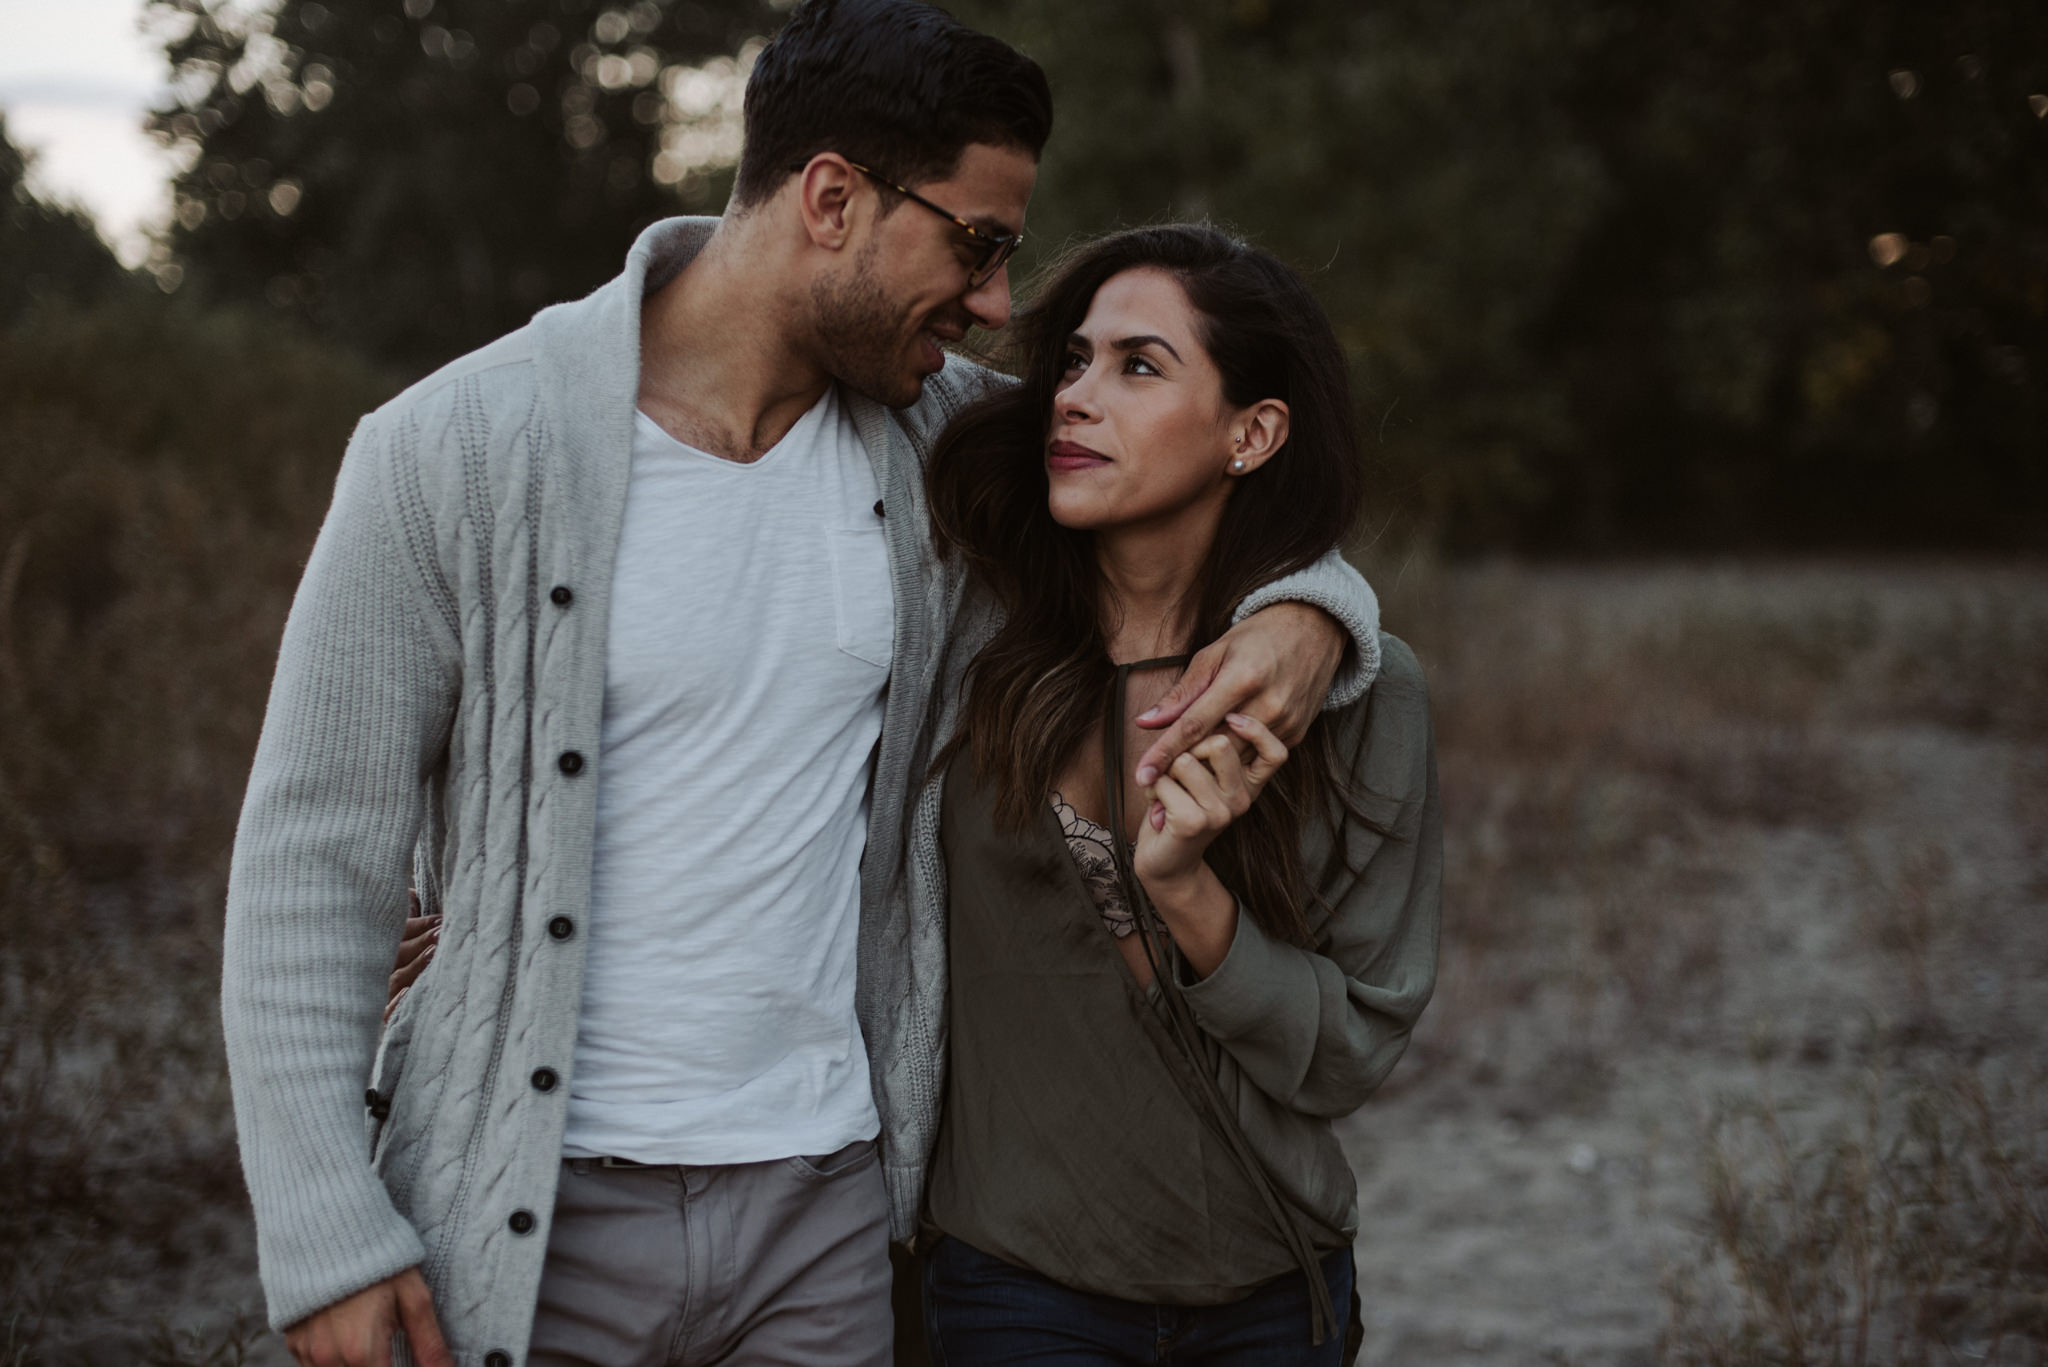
(1301, 644)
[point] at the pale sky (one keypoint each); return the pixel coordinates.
(75, 79)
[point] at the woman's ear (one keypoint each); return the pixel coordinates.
(1256, 433)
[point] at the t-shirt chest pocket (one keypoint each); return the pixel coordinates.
(863, 598)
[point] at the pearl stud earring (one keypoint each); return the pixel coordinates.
(1238, 465)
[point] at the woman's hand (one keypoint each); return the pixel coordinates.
(1205, 790)
(415, 952)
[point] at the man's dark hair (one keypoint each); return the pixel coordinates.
(896, 85)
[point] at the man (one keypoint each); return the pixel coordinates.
(618, 642)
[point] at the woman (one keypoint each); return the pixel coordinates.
(1160, 997)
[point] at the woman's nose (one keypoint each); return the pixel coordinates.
(1077, 400)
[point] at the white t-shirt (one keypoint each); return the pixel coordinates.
(750, 635)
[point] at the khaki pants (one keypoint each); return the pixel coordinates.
(783, 1262)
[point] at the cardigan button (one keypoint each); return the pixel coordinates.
(544, 1079)
(497, 1359)
(878, 509)
(561, 927)
(521, 1222)
(570, 763)
(560, 596)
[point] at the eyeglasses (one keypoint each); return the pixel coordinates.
(996, 248)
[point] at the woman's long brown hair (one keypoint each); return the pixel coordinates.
(1036, 690)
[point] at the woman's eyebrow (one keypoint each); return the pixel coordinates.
(1133, 343)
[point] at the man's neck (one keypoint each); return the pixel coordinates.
(720, 368)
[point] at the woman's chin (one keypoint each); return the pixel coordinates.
(1076, 515)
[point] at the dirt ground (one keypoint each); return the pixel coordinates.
(1743, 847)
(1737, 1051)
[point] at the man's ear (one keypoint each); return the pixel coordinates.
(1258, 432)
(826, 200)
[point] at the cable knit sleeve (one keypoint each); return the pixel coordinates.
(359, 711)
(1334, 586)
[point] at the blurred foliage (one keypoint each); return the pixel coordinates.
(416, 177)
(1616, 275)
(48, 252)
(162, 472)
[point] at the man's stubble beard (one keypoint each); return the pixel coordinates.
(862, 334)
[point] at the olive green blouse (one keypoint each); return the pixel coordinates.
(1074, 1142)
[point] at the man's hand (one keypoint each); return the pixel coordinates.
(1275, 666)
(356, 1332)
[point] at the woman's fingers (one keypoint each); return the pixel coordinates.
(415, 952)
(1220, 753)
(1268, 753)
(1211, 785)
(1198, 781)
(1185, 818)
(410, 966)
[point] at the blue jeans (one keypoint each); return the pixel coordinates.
(980, 1310)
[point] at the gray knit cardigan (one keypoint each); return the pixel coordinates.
(434, 721)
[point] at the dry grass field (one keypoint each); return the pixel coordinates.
(1737, 1056)
(1738, 1053)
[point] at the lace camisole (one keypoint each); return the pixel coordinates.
(1089, 844)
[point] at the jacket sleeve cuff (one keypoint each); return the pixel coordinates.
(1332, 585)
(1258, 982)
(304, 1271)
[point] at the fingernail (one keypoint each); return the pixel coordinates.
(1148, 714)
(1238, 719)
(1147, 775)
(1159, 818)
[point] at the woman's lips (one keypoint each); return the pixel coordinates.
(1067, 455)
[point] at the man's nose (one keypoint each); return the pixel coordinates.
(989, 302)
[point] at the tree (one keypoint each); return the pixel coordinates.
(415, 177)
(1615, 274)
(1618, 274)
(47, 251)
